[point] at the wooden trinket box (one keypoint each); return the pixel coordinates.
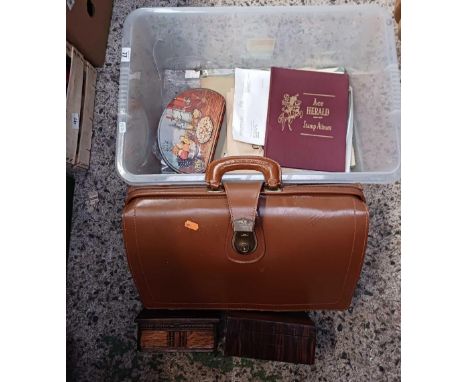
(284, 337)
(177, 331)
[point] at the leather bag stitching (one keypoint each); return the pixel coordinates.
(351, 257)
(148, 289)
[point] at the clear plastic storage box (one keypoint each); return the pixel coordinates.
(158, 43)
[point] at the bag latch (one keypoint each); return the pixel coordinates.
(244, 239)
(242, 200)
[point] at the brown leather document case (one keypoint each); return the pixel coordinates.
(246, 245)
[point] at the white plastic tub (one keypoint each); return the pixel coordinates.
(360, 38)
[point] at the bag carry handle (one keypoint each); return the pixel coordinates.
(270, 169)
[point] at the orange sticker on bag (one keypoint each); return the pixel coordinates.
(191, 225)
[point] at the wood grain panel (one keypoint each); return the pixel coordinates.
(74, 94)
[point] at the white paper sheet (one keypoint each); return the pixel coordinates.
(251, 93)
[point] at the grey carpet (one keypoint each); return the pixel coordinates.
(360, 344)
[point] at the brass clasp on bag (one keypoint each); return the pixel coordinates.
(242, 199)
(244, 240)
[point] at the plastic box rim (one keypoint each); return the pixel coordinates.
(384, 177)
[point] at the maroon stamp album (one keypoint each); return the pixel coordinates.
(307, 119)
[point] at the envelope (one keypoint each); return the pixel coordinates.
(234, 147)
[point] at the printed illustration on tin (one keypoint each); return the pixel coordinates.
(189, 128)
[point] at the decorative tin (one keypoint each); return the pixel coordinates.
(189, 129)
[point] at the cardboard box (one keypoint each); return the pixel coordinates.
(88, 24)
